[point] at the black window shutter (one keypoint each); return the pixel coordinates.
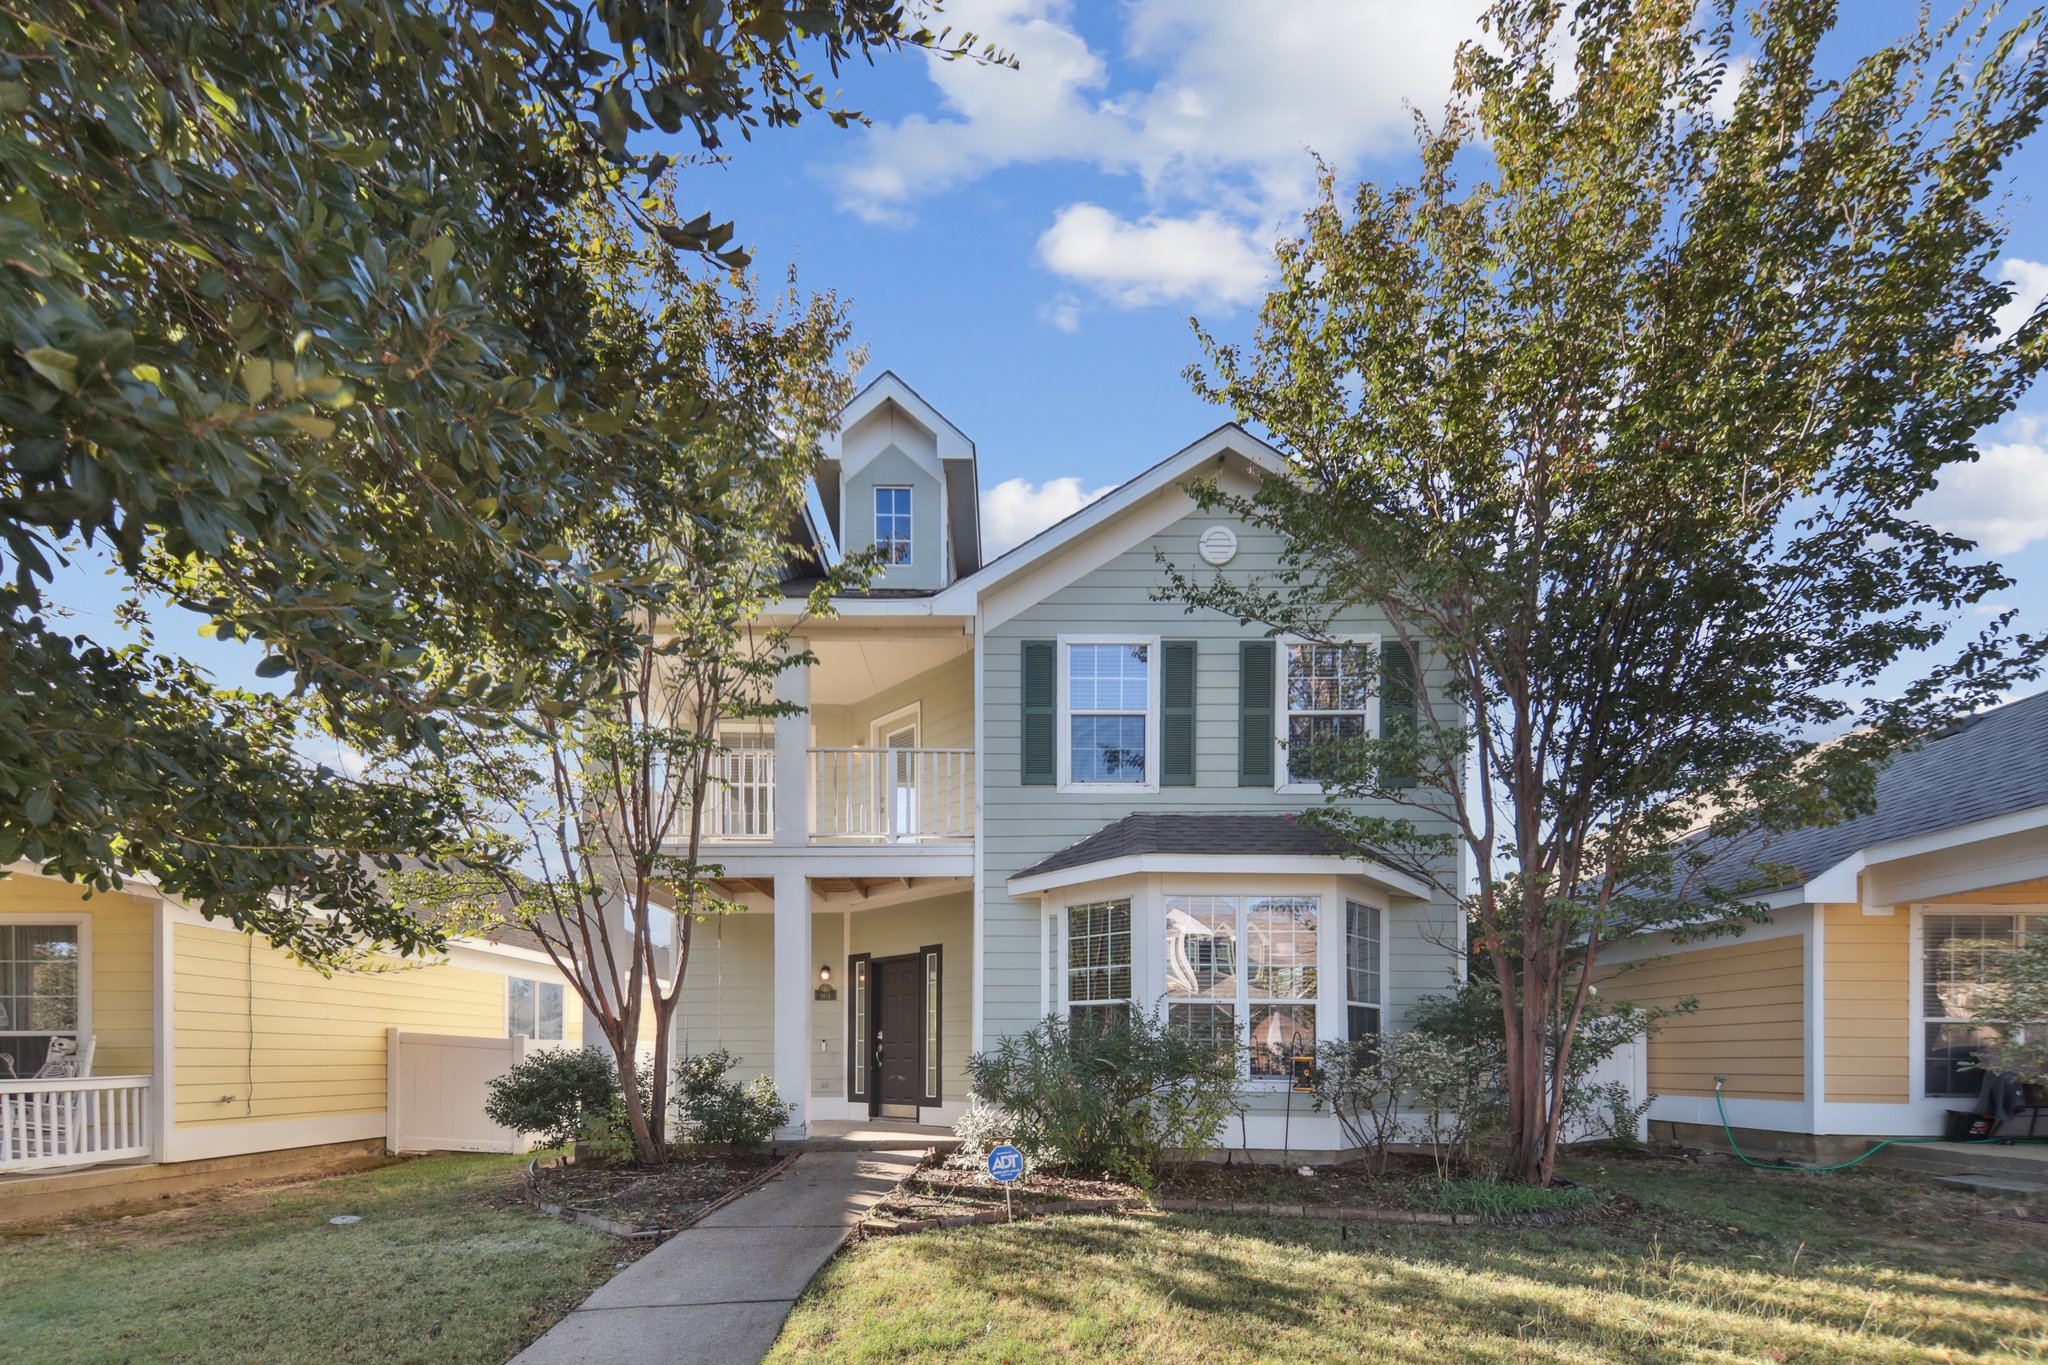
(1255, 713)
(1400, 708)
(1177, 713)
(1041, 713)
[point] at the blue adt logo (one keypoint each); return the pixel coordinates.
(1005, 1163)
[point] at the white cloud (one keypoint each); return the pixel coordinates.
(1016, 509)
(1063, 312)
(2001, 500)
(2029, 286)
(1158, 260)
(1723, 107)
(1214, 122)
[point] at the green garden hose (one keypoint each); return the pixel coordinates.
(1839, 1165)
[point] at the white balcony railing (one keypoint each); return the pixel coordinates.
(50, 1123)
(897, 796)
(743, 805)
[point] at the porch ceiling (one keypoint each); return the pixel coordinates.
(848, 889)
(854, 667)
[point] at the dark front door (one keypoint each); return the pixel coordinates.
(899, 1041)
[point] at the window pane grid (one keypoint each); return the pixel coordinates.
(1247, 964)
(1328, 688)
(892, 524)
(1098, 959)
(1109, 693)
(1958, 1002)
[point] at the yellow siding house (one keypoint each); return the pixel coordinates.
(1855, 1011)
(201, 1044)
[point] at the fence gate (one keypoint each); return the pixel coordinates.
(438, 1083)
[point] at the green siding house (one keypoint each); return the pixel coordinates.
(1025, 787)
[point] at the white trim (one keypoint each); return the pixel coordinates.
(536, 983)
(1814, 966)
(950, 442)
(1283, 782)
(1241, 896)
(81, 921)
(163, 1028)
(962, 597)
(200, 1142)
(1139, 864)
(1838, 884)
(1064, 736)
(977, 969)
(881, 725)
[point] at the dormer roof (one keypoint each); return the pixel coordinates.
(955, 454)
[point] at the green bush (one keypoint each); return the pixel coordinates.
(714, 1112)
(555, 1094)
(1125, 1097)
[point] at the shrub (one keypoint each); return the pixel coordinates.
(983, 1127)
(712, 1111)
(554, 1094)
(1124, 1097)
(1363, 1083)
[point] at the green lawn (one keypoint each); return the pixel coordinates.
(444, 1268)
(1697, 1263)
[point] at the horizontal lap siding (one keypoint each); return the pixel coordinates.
(122, 966)
(728, 997)
(948, 922)
(1866, 1004)
(1021, 825)
(1750, 1025)
(260, 1037)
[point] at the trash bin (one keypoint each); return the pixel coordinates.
(1965, 1125)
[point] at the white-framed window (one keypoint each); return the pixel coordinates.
(1098, 977)
(892, 524)
(1326, 692)
(43, 991)
(1246, 965)
(1109, 713)
(1958, 1002)
(533, 1009)
(1364, 972)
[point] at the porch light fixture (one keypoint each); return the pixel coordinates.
(825, 991)
(825, 974)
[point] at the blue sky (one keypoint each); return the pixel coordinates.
(1026, 247)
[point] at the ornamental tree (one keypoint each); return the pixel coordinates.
(1617, 412)
(284, 324)
(586, 824)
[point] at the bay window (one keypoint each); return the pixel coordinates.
(1099, 961)
(1245, 967)
(1363, 1018)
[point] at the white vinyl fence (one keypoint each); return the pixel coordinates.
(438, 1084)
(1630, 1065)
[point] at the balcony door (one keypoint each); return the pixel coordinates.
(896, 735)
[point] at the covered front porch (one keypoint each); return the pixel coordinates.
(850, 986)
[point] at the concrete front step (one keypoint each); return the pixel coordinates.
(2025, 1161)
(2001, 1185)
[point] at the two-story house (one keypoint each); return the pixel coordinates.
(1029, 787)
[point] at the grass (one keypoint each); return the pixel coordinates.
(1684, 1263)
(444, 1268)
(1495, 1200)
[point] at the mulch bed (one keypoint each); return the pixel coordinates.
(936, 1195)
(626, 1200)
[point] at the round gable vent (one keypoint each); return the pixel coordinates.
(1219, 545)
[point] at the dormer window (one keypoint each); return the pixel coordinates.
(892, 524)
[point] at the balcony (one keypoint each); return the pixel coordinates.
(855, 796)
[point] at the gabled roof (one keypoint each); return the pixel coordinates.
(1992, 764)
(956, 456)
(1216, 448)
(1172, 841)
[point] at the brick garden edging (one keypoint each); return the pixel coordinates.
(613, 1228)
(884, 1226)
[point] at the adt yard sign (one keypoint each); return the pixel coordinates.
(1005, 1164)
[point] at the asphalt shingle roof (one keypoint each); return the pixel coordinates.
(1240, 834)
(1991, 764)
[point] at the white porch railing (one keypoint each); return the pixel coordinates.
(50, 1123)
(893, 795)
(742, 804)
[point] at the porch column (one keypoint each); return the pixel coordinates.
(793, 968)
(793, 757)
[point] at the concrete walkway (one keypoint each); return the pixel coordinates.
(716, 1293)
